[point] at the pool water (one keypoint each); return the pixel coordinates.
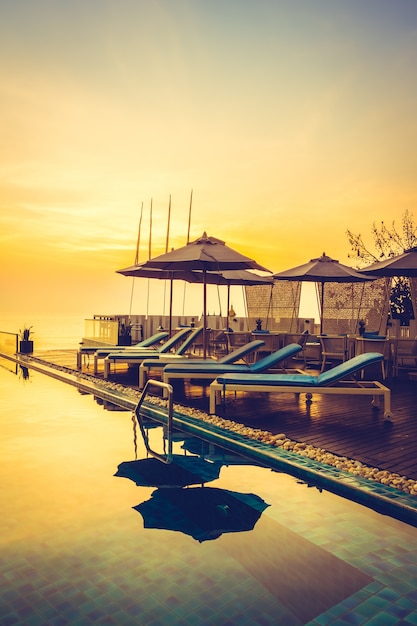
(88, 536)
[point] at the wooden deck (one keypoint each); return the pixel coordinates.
(344, 425)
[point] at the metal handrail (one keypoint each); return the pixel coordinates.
(157, 383)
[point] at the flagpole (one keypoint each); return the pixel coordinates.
(136, 259)
(189, 217)
(188, 241)
(149, 256)
(168, 225)
(171, 281)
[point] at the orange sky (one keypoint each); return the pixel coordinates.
(290, 120)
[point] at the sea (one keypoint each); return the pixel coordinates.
(65, 332)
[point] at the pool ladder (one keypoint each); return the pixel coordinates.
(165, 458)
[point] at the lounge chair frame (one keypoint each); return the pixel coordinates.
(361, 387)
(154, 348)
(337, 381)
(241, 353)
(136, 358)
(210, 371)
(148, 343)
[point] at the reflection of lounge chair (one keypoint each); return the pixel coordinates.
(210, 371)
(136, 358)
(145, 343)
(153, 348)
(331, 382)
(232, 357)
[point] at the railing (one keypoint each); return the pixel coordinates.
(168, 388)
(9, 345)
(101, 331)
(9, 342)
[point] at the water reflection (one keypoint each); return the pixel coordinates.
(204, 513)
(10, 366)
(182, 471)
(24, 372)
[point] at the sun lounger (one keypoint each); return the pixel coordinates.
(136, 358)
(332, 382)
(154, 348)
(151, 341)
(210, 370)
(159, 364)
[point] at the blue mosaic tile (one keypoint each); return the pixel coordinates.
(99, 564)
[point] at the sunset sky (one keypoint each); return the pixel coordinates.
(291, 121)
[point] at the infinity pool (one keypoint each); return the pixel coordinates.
(92, 534)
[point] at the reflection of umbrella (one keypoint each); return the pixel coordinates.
(206, 254)
(323, 270)
(201, 512)
(182, 471)
(404, 264)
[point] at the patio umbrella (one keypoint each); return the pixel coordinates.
(183, 470)
(401, 265)
(404, 264)
(202, 512)
(140, 271)
(323, 270)
(228, 278)
(206, 254)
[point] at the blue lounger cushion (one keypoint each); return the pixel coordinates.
(214, 367)
(145, 343)
(337, 373)
(242, 351)
(233, 356)
(151, 343)
(140, 355)
(152, 340)
(152, 347)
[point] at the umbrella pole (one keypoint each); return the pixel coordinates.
(170, 306)
(228, 306)
(204, 314)
(321, 308)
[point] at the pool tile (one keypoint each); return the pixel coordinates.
(98, 564)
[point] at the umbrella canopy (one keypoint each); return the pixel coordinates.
(228, 278)
(206, 254)
(323, 270)
(400, 266)
(182, 471)
(140, 270)
(201, 512)
(404, 264)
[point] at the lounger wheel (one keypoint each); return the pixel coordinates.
(309, 397)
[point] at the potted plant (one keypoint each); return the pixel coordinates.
(125, 334)
(26, 344)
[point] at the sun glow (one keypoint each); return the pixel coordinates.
(290, 127)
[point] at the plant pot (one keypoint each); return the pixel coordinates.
(125, 340)
(26, 346)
